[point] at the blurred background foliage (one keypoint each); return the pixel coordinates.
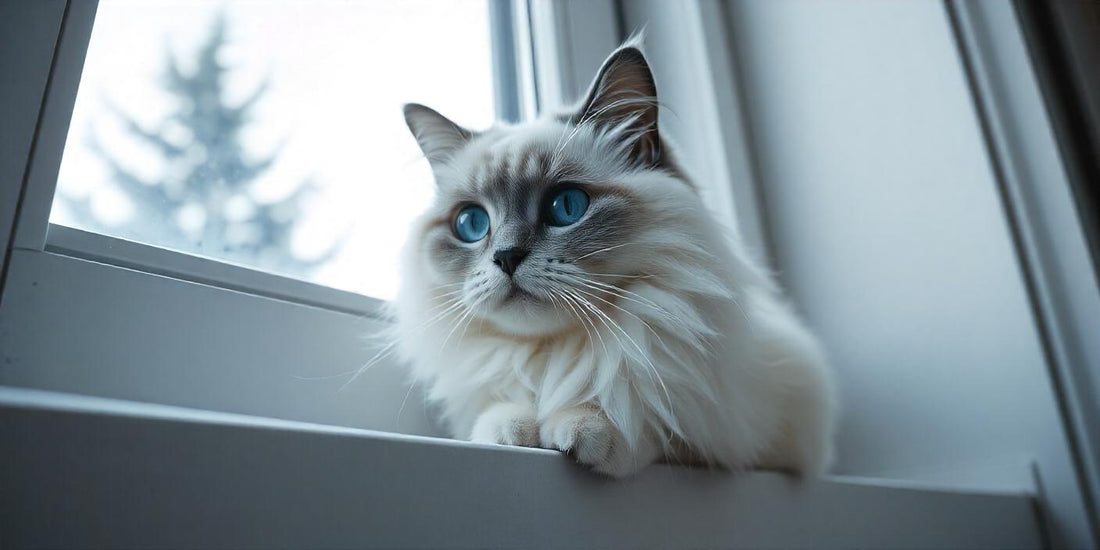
(205, 198)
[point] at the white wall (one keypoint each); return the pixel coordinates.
(889, 233)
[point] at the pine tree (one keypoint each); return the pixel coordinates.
(208, 175)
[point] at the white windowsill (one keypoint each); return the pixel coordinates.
(187, 478)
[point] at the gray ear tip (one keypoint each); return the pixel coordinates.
(417, 115)
(630, 55)
(436, 134)
(413, 108)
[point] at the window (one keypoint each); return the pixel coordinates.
(269, 133)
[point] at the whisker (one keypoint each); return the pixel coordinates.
(618, 292)
(577, 310)
(324, 377)
(382, 354)
(465, 314)
(471, 319)
(619, 275)
(387, 350)
(653, 368)
(451, 293)
(401, 409)
(624, 294)
(455, 305)
(616, 306)
(604, 250)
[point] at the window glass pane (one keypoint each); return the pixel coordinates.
(269, 133)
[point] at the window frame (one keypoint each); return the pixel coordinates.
(1049, 234)
(34, 231)
(28, 222)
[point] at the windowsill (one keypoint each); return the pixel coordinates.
(189, 478)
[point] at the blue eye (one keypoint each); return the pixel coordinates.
(472, 223)
(568, 207)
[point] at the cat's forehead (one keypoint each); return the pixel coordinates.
(509, 141)
(506, 159)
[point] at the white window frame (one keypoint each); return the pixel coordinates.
(1049, 237)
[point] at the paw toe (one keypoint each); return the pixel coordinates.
(588, 436)
(507, 425)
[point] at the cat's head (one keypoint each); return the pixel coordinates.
(536, 224)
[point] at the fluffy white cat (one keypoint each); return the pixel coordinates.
(568, 289)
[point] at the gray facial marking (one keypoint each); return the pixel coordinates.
(447, 254)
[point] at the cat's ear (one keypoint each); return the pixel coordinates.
(624, 97)
(436, 134)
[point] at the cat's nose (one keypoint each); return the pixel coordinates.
(508, 260)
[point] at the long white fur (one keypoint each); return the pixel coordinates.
(696, 357)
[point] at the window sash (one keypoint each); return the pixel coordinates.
(33, 231)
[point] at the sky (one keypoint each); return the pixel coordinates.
(338, 73)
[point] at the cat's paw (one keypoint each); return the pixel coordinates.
(587, 434)
(507, 424)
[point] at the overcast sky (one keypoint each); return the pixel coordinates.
(339, 72)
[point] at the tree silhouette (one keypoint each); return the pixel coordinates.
(209, 178)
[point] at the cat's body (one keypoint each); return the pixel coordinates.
(635, 332)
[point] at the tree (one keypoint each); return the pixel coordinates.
(209, 180)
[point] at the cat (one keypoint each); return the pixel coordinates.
(568, 289)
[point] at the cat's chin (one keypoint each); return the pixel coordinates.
(527, 316)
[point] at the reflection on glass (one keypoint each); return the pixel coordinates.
(269, 133)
